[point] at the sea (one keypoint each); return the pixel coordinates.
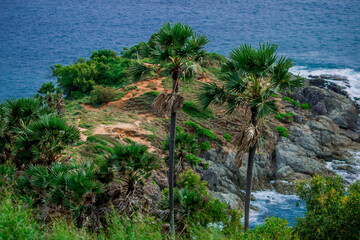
(322, 37)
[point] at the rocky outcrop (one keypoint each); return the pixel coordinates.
(226, 180)
(324, 133)
(338, 107)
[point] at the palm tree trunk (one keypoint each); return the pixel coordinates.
(171, 172)
(249, 172)
(175, 77)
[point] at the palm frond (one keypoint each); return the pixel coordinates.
(211, 92)
(140, 71)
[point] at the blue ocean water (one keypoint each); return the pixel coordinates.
(321, 36)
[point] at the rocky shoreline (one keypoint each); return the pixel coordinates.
(329, 131)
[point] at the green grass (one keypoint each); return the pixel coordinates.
(227, 137)
(289, 116)
(194, 110)
(282, 131)
(306, 106)
(290, 100)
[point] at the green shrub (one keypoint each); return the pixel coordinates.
(67, 187)
(103, 68)
(273, 228)
(201, 132)
(194, 206)
(227, 137)
(285, 117)
(305, 106)
(288, 99)
(43, 140)
(333, 210)
(101, 95)
(194, 110)
(133, 163)
(282, 131)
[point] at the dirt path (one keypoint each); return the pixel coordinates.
(141, 88)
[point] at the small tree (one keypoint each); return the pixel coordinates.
(133, 163)
(250, 78)
(174, 49)
(42, 141)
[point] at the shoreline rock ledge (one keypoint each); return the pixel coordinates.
(329, 131)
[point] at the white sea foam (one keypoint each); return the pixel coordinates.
(348, 176)
(272, 203)
(352, 75)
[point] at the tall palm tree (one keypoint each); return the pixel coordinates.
(250, 78)
(174, 49)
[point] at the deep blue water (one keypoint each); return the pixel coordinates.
(321, 36)
(36, 34)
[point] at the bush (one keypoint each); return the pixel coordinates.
(43, 140)
(227, 137)
(285, 117)
(200, 132)
(103, 68)
(282, 131)
(186, 146)
(194, 110)
(101, 95)
(67, 187)
(333, 211)
(287, 99)
(305, 106)
(133, 163)
(273, 228)
(194, 206)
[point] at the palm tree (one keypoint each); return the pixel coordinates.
(251, 76)
(133, 162)
(43, 140)
(174, 49)
(15, 114)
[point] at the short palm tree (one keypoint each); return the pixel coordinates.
(251, 76)
(174, 49)
(43, 140)
(133, 163)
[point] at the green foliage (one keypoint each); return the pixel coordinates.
(7, 175)
(227, 137)
(103, 68)
(186, 146)
(306, 106)
(194, 205)
(132, 53)
(101, 95)
(245, 76)
(43, 140)
(194, 110)
(16, 116)
(47, 88)
(273, 228)
(282, 131)
(200, 132)
(211, 60)
(16, 221)
(333, 210)
(285, 117)
(133, 163)
(67, 186)
(290, 100)
(139, 71)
